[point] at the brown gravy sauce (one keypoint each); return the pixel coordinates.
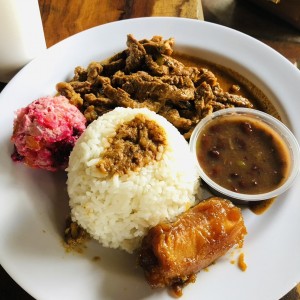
(227, 79)
(243, 155)
(259, 207)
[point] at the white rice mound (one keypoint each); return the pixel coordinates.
(119, 210)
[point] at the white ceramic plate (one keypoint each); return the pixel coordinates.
(34, 203)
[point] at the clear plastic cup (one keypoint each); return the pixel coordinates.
(284, 133)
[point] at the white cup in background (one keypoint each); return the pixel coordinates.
(21, 35)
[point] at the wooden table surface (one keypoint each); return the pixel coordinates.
(64, 18)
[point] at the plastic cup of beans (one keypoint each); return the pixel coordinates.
(245, 154)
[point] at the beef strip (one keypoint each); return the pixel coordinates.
(123, 99)
(173, 116)
(142, 86)
(111, 68)
(80, 74)
(156, 67)
(234, 100)
(99, 101)
(93, 71)
(207, 76)
(81, 87)
(209, 97)
(157, 45)
(136, 55)
(66, 89)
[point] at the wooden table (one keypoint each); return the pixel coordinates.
(64, 18)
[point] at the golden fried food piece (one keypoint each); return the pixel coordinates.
(172, 253)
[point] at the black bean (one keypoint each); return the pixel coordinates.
(246, 127)
(214, 153)
(234, 175)
(254, 182)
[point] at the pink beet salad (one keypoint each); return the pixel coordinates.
(45, 132)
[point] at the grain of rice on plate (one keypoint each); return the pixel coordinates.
(130, 170)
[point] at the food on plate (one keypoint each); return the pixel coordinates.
(45, 132)
(130, 170)
(133, 183)
(147, 75)
(75, 236)
(241, 262)
(172, 253)
(243, 154)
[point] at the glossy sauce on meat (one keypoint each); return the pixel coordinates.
(172, 253)
(232, 82)
(243, 155)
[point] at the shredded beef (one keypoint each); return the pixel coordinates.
(146, 75)
(135, 144)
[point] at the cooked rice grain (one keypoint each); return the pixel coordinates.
(119, 210)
